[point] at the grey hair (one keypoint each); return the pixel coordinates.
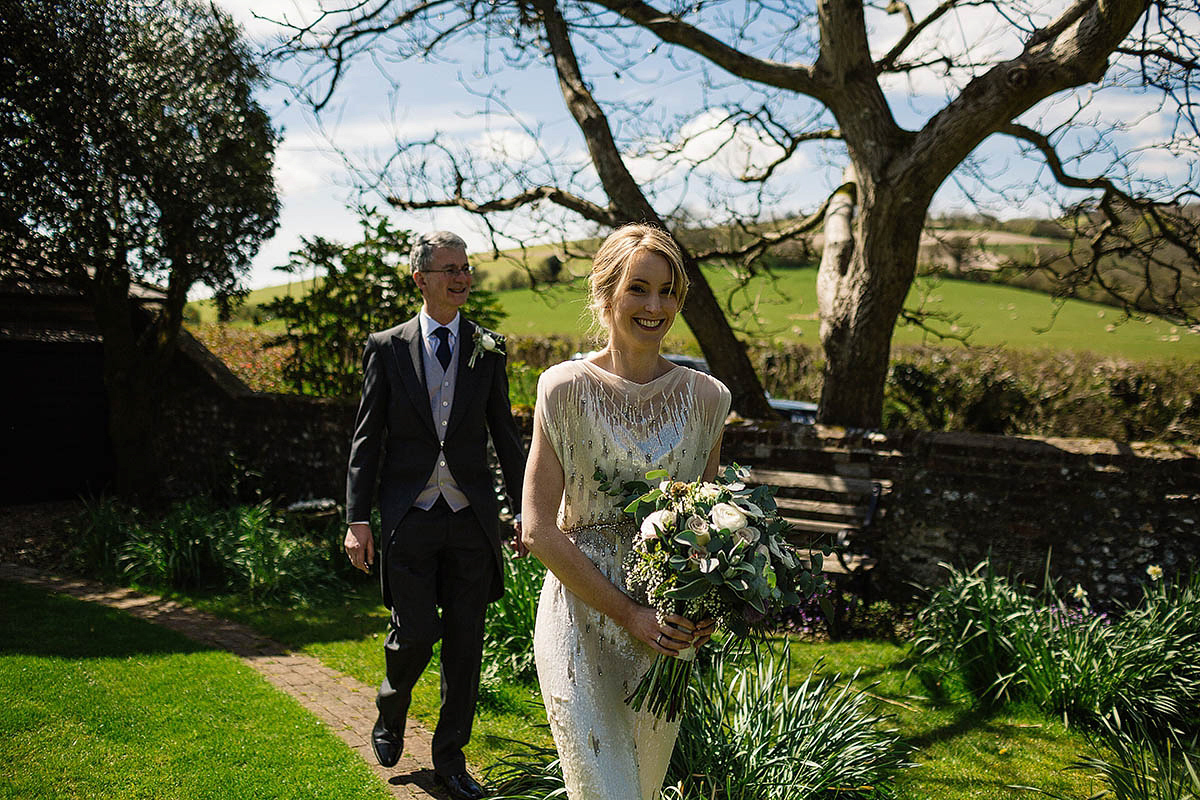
(421, 255)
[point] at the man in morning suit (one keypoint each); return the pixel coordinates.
(434, 388)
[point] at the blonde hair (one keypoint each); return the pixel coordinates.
(613, 258)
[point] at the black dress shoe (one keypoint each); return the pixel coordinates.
(387, 744)
(460, 786)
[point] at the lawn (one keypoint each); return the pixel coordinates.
(98, 704)
(960, 752)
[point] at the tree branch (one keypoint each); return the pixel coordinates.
(585, 208)
(1070, 51)
(765, 241)
(671, 29)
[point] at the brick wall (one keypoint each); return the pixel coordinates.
(1101, 511)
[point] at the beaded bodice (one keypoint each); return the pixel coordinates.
(594, 418)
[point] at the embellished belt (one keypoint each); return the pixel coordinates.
(598, 532)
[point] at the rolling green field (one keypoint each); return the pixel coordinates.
(990, 315)
(783, 308)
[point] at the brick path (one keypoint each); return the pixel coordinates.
(344, 704)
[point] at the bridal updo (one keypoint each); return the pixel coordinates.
(614, 257)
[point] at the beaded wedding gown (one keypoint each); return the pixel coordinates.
(587, 664)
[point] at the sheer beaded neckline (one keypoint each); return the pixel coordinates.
(614, 376)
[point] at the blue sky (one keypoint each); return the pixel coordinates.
(370, 114)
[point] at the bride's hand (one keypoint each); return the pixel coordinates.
(673, 634)
(703, 632)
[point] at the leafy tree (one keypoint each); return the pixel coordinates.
(743, 98)
(133, 153)
(361, 288)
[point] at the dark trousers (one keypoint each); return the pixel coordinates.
(438, 558)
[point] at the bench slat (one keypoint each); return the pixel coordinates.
(826, 483)
(789, 506)
(831, 566)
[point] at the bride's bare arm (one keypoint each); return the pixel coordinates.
(541, 496)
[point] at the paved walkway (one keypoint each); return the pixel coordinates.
(344, 704)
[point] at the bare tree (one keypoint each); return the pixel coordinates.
(776, 83)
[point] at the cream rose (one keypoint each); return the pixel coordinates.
(746, 535)
(661, 520)
(728, 516)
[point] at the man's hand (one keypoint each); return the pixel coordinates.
(360, 545)
(518, 547)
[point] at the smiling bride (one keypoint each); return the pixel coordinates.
(626, 410)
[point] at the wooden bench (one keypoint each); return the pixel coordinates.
(828, 511)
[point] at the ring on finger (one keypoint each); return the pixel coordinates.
(658, 641)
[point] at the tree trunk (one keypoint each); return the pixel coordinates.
(703, 314)
(724, 353)
(865, 274)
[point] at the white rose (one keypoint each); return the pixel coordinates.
(657, 521)
(728, 516)
(707, 491)
(488, 341)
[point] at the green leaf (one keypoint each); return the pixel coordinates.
(691, 590)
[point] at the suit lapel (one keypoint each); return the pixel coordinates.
(407, 350)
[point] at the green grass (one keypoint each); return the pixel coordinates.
(961, 752)
(349, 638)
(993, 315)
(99, 704)
(151, 714)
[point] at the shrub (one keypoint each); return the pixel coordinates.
(508, 636)
(197, 545)
(1141, 669)
(181, 551)
(969, 629)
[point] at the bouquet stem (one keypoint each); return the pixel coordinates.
(663, 689)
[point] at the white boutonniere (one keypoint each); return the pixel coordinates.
(485, 342)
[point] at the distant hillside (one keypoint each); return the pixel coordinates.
(960, 262)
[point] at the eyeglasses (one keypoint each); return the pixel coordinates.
(463, 271)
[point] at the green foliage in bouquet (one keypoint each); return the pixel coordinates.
(713, 549)
(707, 550)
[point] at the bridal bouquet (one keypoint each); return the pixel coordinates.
(707, 550)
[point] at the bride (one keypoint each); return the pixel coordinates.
(626, 410)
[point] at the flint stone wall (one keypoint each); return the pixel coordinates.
(1099, 512)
